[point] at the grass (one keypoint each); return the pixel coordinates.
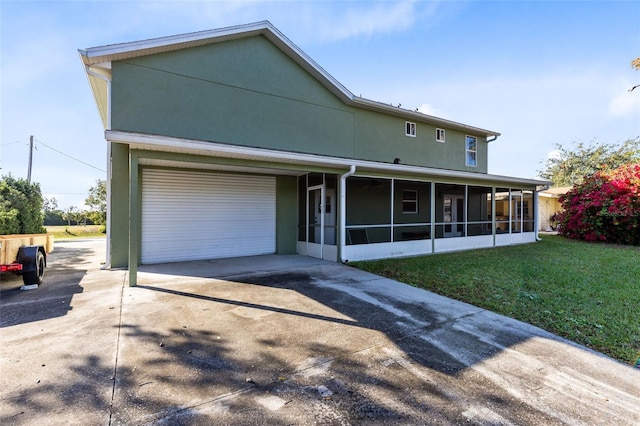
(75, 231)
(587, 293)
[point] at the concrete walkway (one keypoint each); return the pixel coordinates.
(283, 340)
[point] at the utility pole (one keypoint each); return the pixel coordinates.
(30, 158)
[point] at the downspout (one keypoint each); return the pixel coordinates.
(108, 81)
(107, 264)
(343, 210)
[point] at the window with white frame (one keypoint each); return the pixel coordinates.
(409, 201)
(472, 151)
(440, 135)
(410, 129)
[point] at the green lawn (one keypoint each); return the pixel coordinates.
(588, 293)
(75, 231)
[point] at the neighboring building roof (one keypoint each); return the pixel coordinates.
(97, 60)
(555, 191)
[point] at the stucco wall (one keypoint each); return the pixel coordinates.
(548, 206)
(248, 92)
(286, 219)
(119, 206)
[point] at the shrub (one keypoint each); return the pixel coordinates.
(21, 204)
(9, 223)
(604, 207)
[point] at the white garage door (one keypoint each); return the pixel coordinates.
(198, 215)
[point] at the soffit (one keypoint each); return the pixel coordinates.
(218, 167)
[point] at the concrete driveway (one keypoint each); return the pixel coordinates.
(283, 340)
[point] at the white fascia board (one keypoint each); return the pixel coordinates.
(172, 144)
(162, 44)
(420, 117)
(307, 63)
(106, 54)
(219, 149)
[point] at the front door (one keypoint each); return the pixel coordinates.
(516, 212)
(321, 219)
(330, 217)
(453, 215)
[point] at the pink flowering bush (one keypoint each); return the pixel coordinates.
(604, 207)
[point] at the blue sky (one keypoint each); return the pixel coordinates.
(539, 72)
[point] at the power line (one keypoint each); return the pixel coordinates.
(67, 155)
(13, 143)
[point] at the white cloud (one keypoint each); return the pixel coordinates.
(376, 17)
(304, 22)
(554, 154)
(624, 104)
(431, 110)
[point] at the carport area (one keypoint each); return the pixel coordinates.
(283, 340)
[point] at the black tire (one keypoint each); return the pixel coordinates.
(37, 276)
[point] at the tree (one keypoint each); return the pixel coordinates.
(97, 202)
(635, 64)
(49, 204)
(72, 214)
(21, 206)
(605, 207)
(52, 215)
(572, 165)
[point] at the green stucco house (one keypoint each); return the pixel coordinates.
(233, 142)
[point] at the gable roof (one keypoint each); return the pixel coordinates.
(555, 191)
(97, 62)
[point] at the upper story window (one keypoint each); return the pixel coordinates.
(409, 201)
(410, 129)
(440, 135)
(472, 151)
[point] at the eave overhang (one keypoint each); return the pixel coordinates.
(214, 149)
(102, 57)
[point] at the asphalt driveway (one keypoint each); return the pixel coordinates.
(283, 340)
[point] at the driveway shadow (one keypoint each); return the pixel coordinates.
(377, 386)
(192, 376)
(64, 272)
(362, 314)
